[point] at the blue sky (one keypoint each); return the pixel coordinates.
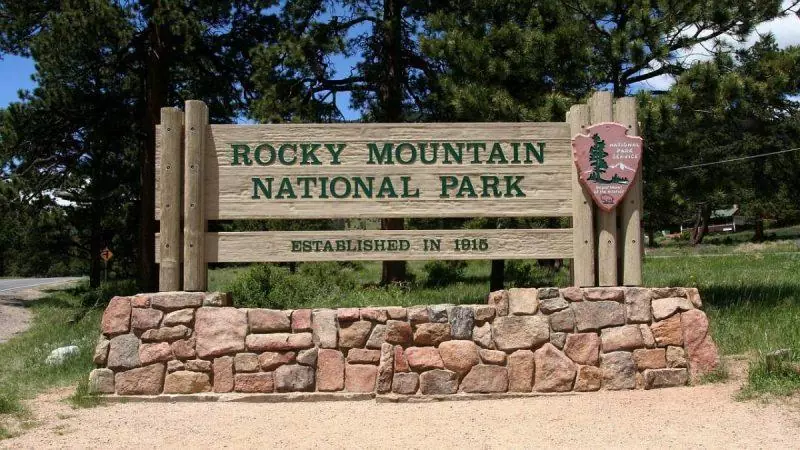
(15, 75)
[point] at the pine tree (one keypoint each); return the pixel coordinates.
(597, 159)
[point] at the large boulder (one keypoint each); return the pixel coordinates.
(520, 332)
(554, 371)
(483, 379)
(219, 331)
(459, 356)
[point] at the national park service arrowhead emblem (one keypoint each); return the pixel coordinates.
(608, 161)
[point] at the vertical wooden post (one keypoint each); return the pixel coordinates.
(169, 277)
(195, 268)
(631, 207)
(600, 110)
(583, 263)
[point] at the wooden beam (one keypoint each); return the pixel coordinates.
(630, 213)
(286, 246)
(600, 110)
(169, 278)
(582, 215)
(195, 274)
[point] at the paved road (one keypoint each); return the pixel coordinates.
(9, 285)
(15, 293)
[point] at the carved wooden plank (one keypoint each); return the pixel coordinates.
(630, 212)
(600, 110)
(170, 195)
(195, 268)
(583, 240)
(231, 189)
(277, 246)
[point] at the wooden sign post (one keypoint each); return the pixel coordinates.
(312, 171)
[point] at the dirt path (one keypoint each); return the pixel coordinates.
(14, 314)
(703, 416)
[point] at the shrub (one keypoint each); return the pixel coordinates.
(100, 296)
(443, 273)
(270, 286)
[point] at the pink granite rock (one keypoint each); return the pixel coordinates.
(438, 382)
(245, 362)
(101, 381)
(396, 312)
(405, 383)
(668, 331)
(166, 333)
(523, 301)
(117, 316)
(180, 317)
(424, 358)
(354, 334)
(198, 365)
(385, 369)
(483, 379)
(374, 314)
(269, 361)
(147, 380)
(363, 356)
(170, 301)
(184, 348)
(150, 353)
(626, 337)
(324, 328)
(268, 320)
(400, 361)
(418, 315)
(619, 370)
(660, 378)
(219, 331)
(637, 304)
(653, 358)
(589, 378)
(223, 374)
(360, 377)
(140, 301)
(604, 294)
(143, 319)
(572, 294)
(499, 299)
(263, 382)
(348, 314)
(123, 352)
(459, 356)
(431, 334)
(398, 332)
(330, 370)
(278, 342)
(583, 348)
(520, 332)
(294, 378)
(301, 320)
(554, 371)
(520, 371)
(702, 352)
(495, 357)
(186, 382)
(665, 307)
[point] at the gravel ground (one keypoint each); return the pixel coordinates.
(704, 416)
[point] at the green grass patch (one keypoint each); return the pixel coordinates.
(59, 319)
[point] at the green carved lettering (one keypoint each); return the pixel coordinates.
(383, 156)
(335, 151)
(259, 186)
(282, 154)
(386, 189)
(309, 156)
(257, 154)
(531, 149)
(497, 153)
(243, 151)
(405, 180)
(514, 186)
(410, 158)
(466, 189)
(448, 183)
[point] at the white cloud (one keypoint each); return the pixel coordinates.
(786, 31)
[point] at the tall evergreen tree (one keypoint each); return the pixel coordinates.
(105, 69)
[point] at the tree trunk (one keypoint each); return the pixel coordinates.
(701, 224)
(156, 85)
(651, 238)
(390, 94)
(498, 276)
(758, 235)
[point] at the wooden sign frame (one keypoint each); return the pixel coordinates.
(306, 171)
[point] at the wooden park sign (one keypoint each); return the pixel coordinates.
(313, 171)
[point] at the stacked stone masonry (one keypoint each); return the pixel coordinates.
(523, 340)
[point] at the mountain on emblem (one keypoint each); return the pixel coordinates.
(608, 161)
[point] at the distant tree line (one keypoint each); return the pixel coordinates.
(77, 151)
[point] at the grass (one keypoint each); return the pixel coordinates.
(56, 323)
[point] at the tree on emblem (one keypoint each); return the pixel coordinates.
(597, 159)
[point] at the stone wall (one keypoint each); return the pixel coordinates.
(523, 340)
